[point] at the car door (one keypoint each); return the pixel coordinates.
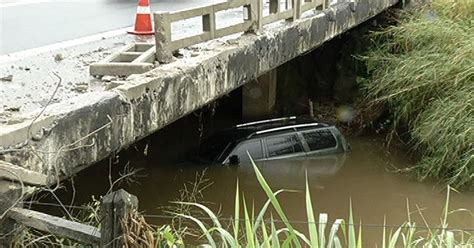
(283, 146)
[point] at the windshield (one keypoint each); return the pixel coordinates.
(216, 147)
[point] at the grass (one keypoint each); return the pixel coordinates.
(423, 68)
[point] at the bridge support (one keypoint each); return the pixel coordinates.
(258, 96)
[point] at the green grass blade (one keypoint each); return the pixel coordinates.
(262, 212)
(351, 228)
(449, 239)
(337, 243)
(384, 233)
(275, 240)
(203, 228)
(248, 227)
(227, 237)
(209, 212)
(237, 212)
(265, 237)
(323, 220)
(394, 238)
(312, 227)
(276, 204)
(333, 233)
(359, 238)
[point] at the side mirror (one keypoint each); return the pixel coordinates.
(234, 160)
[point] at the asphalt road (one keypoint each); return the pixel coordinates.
(27, 24)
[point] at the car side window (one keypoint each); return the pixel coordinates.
(283, 145)
(319, 139)
(254, 147)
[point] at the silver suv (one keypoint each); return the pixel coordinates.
(273, 139)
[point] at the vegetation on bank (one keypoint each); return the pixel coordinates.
(423, 68)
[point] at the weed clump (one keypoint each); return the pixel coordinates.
(423, 68)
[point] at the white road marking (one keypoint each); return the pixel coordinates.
(61, 45)
(22, 2)
(13, 3)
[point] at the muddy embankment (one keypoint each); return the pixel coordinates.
(324, 83)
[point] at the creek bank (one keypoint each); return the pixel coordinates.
(408, 74)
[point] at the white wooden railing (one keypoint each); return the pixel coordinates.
(253, 21)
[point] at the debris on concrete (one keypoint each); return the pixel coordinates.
(13, 108)
(112, 85)
(108, 78)
(81, 87)
(8, 78)
(14, 120)
(58, 57)
(5, 116)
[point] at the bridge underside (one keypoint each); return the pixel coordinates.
(74, 134)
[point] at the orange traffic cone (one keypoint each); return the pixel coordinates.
(143, 25)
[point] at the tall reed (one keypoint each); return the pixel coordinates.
(423, 68)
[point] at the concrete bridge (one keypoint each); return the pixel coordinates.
(54, 126)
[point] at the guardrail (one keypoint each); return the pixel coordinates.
(253, 21)
(115, 207)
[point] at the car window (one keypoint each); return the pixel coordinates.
(319, 139)
(254, 147)
(283, 145)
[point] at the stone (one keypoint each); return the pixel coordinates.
(108, 78)
(58, 57)
(81, 88)
(8, 78)
(13, 108)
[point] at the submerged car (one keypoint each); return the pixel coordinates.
(272, 139)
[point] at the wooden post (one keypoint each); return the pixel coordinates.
(9, 194)
(115, 206)
(7, 232)
(163, 37)
(57, 226)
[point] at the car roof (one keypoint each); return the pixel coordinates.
(270, 126)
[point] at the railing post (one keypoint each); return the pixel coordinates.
(274, 6)
(296, 4)
(209, 23)
(163, 37)
(325, 4)
(115, 207)
(254, 14)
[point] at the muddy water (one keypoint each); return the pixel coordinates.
(362, 176)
